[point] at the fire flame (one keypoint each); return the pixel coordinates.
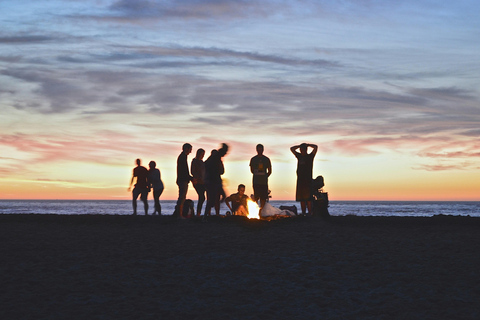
(253, 210)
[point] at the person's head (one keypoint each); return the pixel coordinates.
(152, 164)
(241, 189)
(138, 162)
(303, 148)
(200, 154)
(223, 150)
(259, 149)
(187, 148)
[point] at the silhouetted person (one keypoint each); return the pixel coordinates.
(304, 174)
(197, 168)
(237, 202)
(213, 179)
(155, 180)
(183, 177)
(261, 168)
(142, 186)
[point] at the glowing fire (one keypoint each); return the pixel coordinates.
(253, 210)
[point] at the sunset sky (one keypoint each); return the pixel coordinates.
(388, 90)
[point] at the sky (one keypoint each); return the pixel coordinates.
(388, 90)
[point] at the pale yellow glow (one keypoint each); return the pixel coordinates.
(377, 177)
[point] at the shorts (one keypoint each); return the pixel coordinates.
(143, 192)
(260, 191)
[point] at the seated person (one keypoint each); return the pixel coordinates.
(237, 202)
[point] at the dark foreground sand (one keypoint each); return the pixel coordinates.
(124, 267)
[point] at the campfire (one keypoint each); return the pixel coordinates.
(253, 210)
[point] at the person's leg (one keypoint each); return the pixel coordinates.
(309, 205)
(223, 196)
(135, 194)
(156, 200)
(262, 203)
(144, 197)
(303, 205)
(263, 195)
(210, 199)
(256, 191)
(182, 195)
(158, 205)
(200, 189)
(218, 194)
(242, 211)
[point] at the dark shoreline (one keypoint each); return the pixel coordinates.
(168, 219)
(123, 267)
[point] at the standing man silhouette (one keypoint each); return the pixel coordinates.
(155, 180)
(183, 177)
(197, 168)
(304, 175)
(141, 186)
(261, 168)
(214, 169)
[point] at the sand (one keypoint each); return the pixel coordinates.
(125, 267)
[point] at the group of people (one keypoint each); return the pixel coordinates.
(206, 177)
(144, 181)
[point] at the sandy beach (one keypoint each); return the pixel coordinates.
(125, 267)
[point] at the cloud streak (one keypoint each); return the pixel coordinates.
(191, 9)
(26, 39)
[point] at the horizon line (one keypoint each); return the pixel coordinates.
(346, 200)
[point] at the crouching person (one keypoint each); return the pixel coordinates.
(237, 202)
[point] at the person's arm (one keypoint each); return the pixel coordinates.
(294, 149)
(194, 170)
(268, 170)
(131, 182)
(190, 177)
(315, 148)
(182, 168)
(228, 200)
(150, 179)
(221, 167)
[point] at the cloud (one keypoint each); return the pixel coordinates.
(435, 147)
(180, 57)
(452, 148)
(191, 9)
(443, 93)
(62, 92)
(456, 154)
(471, 133)
(51, 148)
(208, 85)
(443, 167)
(374, 145)
(11, 58)
(450, 153)
(26, 39)
(292, 107)
(58, 181)
(220, 53)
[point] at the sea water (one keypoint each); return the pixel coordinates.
(336, 208)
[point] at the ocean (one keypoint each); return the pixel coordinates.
(336, 208)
